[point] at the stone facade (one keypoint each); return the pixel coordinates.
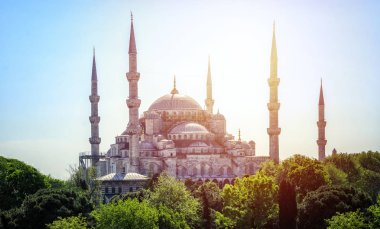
(177, 136)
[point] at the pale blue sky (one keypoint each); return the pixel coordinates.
(45, 63)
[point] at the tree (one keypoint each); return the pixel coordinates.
(174, 195)
(287, 205)
(17, 180)
(250, 202)
(304, 173)
(209, 195)
(324, 202)
(45, 206)
(126, 214)
(73, 222)
(337, 176)
(346, 163)
(347, 220)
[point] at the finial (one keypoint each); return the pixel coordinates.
(218, 111)
(131, 16)
(174, 91)
(93, 50)
(239, 136)
(274, 26)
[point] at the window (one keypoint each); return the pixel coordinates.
(113, 189)
(130, 189)
(106, 189)
(120, 190)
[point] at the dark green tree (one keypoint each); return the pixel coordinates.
(287, 205)
(45, 206)
(17, 180)
(324, 202)
(209, 195)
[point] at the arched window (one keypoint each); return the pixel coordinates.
(202, 170)
(210, 171)
(195, 171)
(229, 171)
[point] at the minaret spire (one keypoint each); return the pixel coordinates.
(209, 101)
(321, 142)
(94, 118)
(174, 90)
(273, 105)
(133, 102)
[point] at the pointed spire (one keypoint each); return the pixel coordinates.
(132, 42)
(94, 76)
(239, 136)
(273, 56)
(174, 90)
(209, 82)
(321, 99)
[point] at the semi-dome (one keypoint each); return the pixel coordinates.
(175, 102)
(189, 128)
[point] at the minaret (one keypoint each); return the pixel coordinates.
(273, 105)
(209, 101)
(321, 126)
(133, 102)
(174, 90)
(94, 118)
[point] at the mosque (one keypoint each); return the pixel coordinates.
(177, 136)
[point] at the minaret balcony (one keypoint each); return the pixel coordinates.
(322, 142)
(94, 98)
(133, 129)
(321, 124)
(94, 119)
(274, 131)
(133, 76)
(132, 103)
(95, 140)
(273, 82)
(273, 106)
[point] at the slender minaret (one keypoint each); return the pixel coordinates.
(174, 90)
(133, 102)
(94, 118)
(209, 101)
(273, 105)
(321, 126)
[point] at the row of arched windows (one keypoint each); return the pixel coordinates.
(204, 171)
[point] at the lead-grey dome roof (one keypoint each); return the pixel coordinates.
(189, 128)
(175, 102)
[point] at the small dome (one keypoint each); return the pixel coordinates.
(175, 102)
(189, 127)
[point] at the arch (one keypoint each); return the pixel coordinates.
(229, 171)
(215, 181)
(194, 171)
(226, 181)
(203, 169)
(210, 171)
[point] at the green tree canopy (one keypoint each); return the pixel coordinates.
(126, 214)
(304, 173)
(73, 222)
(17, 180)
(45, 206)
(324, 202)
(250, 203)
(174, 195)
(347, 220)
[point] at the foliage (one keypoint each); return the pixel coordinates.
(45, 206)
(17, 180)
(126, 214)
(326, 201)
(346, 163)
(73, 222)
(209, 195)
(250, 202)
(85, 179)
(140, 195)
(347, 220)
(51, 182)
(174, 195)
(305, 174)
(337, 176)
(169, 219)
(224, 222)
(271, 169)
(287, 205)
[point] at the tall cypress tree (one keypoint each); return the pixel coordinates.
(288, 205)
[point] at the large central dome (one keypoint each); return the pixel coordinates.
(175, 102)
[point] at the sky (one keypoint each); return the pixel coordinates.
(46, 56)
